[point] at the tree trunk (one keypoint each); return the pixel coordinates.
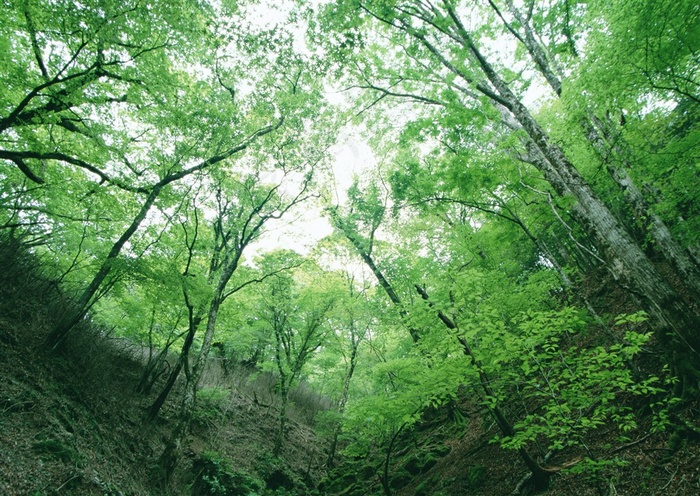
(73, 316)
(173, 447)
(284, 399)
(601, 138)
(181, 362)
(343, 401)
(540, 476)
(625, 260)
(383, 282)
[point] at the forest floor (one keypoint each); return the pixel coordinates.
(75, 425)
(475, 466)
(72, 423)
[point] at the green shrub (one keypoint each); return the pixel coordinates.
(58, 449)
(475, 476)
(217, 477)
(276, 473)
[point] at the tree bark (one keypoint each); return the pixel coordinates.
(343, 401)
(625, 260)
(175, 373)
(73, 316)
(601, 138)
(383, 282)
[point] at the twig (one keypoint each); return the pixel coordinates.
(629, 445)
(670, 480)
(69, 480)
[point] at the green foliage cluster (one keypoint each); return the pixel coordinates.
(145, 148)
(576, 390)
(217, 477)
(58, 448)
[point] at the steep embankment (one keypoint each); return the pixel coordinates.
(72, 423)
(445, 457)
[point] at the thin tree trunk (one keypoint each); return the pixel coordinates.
(539, 474)
(383, 282)
(71, 318)
(175, 373)
(385, 477)
(343, 401)
(284, 399)
(173, 447)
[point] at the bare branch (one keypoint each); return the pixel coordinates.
(260, 279)
(31, 28)
(62, 157)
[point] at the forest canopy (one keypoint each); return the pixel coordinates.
(524, 227)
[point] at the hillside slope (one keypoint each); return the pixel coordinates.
(72, 423)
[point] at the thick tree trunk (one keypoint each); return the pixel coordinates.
(623, 257)
(600, 136)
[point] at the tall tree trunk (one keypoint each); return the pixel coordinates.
(343, 401)
(601, 137)
(173, 448)
(182, 362)
(74, 315)
(676, 324)
(383, 282)
(71, 318)
(540, 476)
(603, 140)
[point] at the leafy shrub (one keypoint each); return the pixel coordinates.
(276, 473)
(217, 477)
(577, 388)
(475, 476)
(421, 463)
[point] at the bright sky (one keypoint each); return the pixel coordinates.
(302, 228)
(351, 156)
